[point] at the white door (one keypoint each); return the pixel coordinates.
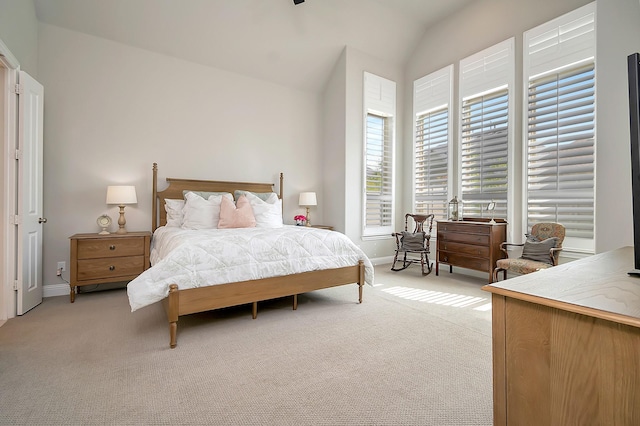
(30, 181)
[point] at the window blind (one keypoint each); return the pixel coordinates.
(379, 148)
(561, 145)
(432, 136)
(379, 204)
(483, 152)
(431, 163)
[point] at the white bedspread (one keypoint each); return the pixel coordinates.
(197, 258)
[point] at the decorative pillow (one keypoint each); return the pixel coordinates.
(411, 241)
(204, 194)
(539, 251)
(264, 196)
(268, 212)
(200, 213)
(239, 215)
(174, 212)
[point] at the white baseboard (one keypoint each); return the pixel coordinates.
(381, 260)
(53, 290)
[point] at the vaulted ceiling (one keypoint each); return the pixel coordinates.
(272, 40)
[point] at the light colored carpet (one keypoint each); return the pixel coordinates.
(409, 355)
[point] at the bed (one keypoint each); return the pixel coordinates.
(179, 300)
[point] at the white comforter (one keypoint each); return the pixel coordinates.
(197, 258)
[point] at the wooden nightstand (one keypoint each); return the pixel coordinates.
(330, 228)
(99, 259)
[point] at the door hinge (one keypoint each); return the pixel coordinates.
(17, 89)
(16, 219)
(18, 154)
(15, 285)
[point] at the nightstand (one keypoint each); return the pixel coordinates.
(330, 228)
(99, 259)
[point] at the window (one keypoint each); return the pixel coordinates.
(431, 163)
(486, 79)
(560, 118)
(483, 152)
(560, 148)
(379, 147)
(379, 208)
(432, 143)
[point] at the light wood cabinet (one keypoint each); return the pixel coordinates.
(472, 244)
(566, 344)
(99, 259)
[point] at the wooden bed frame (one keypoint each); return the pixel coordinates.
(189, 301)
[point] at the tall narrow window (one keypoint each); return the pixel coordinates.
(378, 168)
(483, 152)
(560, 150)
(432, 143)
(559, 65)
(431, 162)
(379, 147)
(486, 79)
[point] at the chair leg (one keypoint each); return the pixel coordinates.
(404, 263)
(495, 274)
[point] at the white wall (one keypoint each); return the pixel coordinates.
(19, 32)
(344, 142)
(112, 110)
(618, 35)
(487, 22)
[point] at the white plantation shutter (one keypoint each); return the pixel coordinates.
(485, 80)
(432, 136)
(560, 154)
(380, 108)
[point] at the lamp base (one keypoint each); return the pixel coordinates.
(308, 221)
(121, 221)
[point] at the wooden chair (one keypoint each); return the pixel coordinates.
(540, 251)
(414, 246)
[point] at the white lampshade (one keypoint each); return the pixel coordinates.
(307, 199)
(121, 194)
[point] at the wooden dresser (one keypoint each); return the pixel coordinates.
(472, 244)
(99, 259)
(566, 344)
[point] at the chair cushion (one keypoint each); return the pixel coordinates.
(539, 250)
(521, 266)
(411, 241)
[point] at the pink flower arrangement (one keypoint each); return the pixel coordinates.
(300, 218)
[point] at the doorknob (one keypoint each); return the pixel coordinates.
(42, 220)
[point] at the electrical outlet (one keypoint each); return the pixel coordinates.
(61, 267)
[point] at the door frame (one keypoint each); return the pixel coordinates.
(8, 203)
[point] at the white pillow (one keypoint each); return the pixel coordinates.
(268, 213)
(174, 212)
(200, 213)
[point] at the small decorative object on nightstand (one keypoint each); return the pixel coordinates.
(100, 259)
(104, 222)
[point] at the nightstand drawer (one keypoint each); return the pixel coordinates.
(110, 268)
(478, 239)
(470, 249)
(96, 248)
(466, 261)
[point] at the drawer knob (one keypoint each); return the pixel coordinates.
(112, 247)
(112, 268)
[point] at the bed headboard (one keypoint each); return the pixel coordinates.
(176, 186)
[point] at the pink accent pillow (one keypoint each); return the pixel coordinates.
(239, 215)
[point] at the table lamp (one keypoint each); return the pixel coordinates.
(121, 195)
(307, 199)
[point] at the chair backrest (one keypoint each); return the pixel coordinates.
(419, 220)
(542, 231)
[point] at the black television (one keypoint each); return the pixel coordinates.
(633, 64)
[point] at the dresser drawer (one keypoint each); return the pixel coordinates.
(464, 227)
(110, 268)
(478, 264)
(97, 248)
(470, 249)
(467, 238)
